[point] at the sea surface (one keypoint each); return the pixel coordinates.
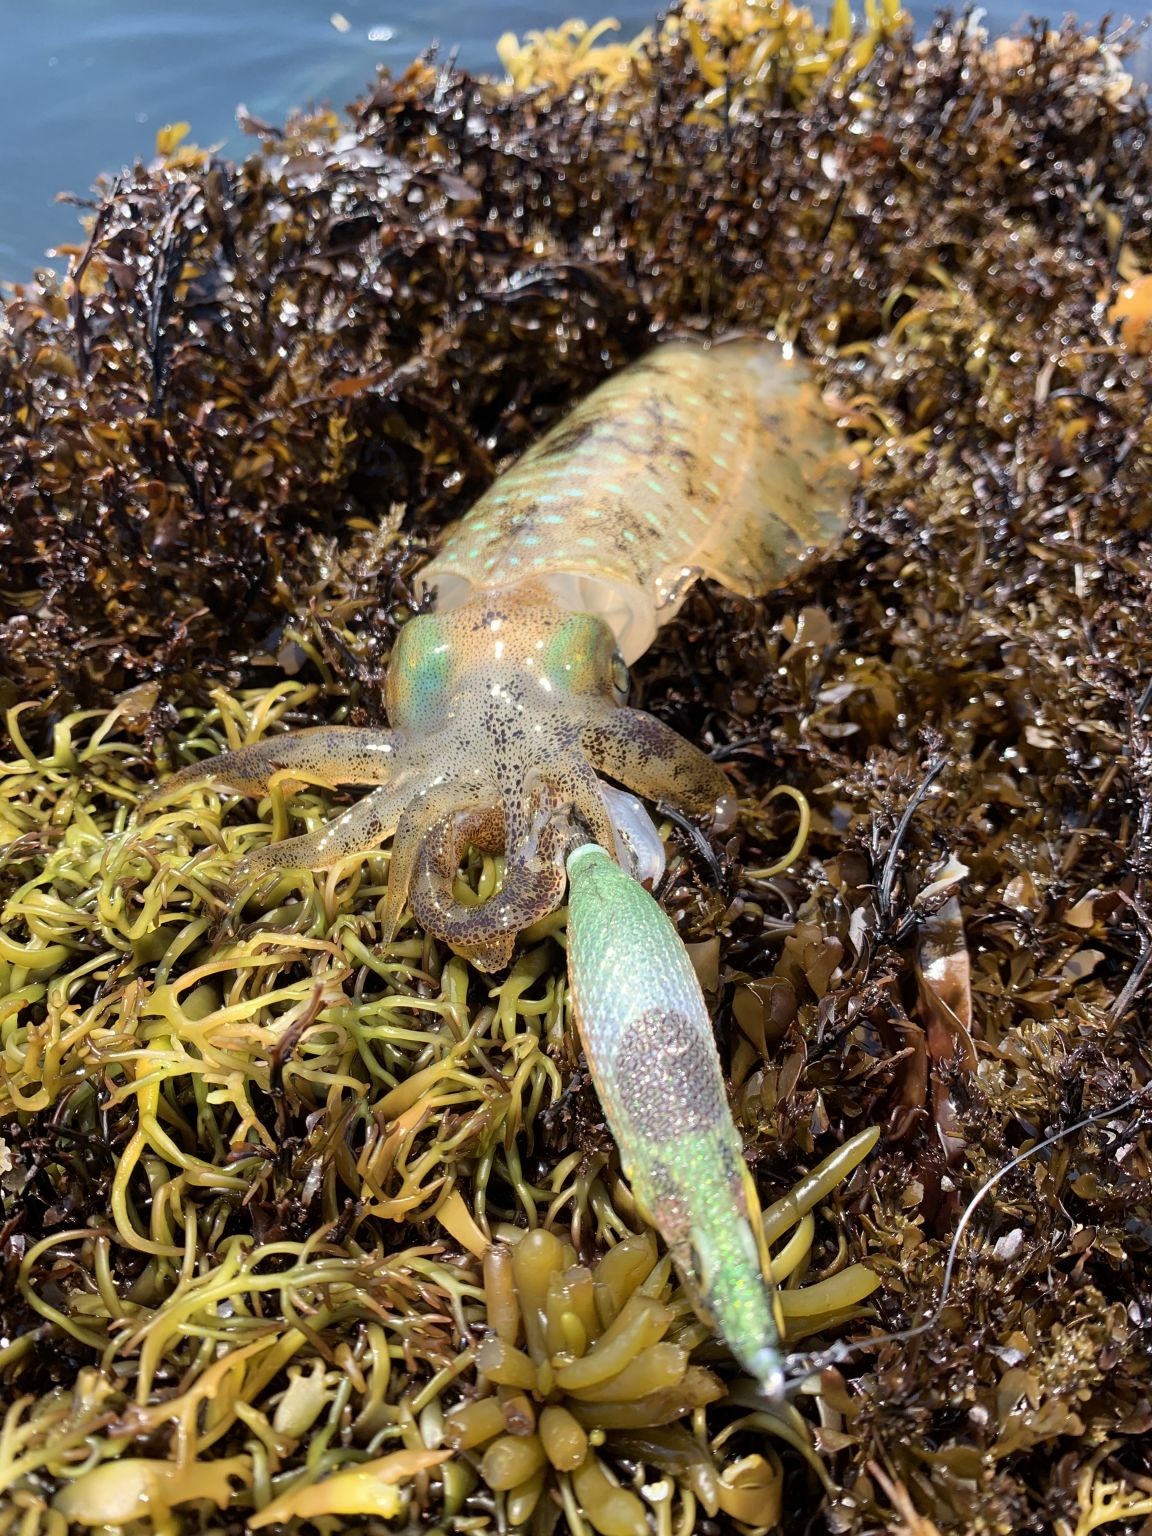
(85, 84)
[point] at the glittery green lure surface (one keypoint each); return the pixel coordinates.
(648, 1039)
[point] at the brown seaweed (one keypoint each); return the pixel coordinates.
(230, 435)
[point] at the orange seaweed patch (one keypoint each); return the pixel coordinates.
(1131, 311)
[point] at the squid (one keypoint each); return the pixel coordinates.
(510, 730)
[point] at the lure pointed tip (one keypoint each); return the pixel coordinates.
(769, 1373)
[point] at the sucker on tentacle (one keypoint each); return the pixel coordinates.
(508, 715)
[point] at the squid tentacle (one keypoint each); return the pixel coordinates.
(533, 883)
(328, 755)
(359, 829)
(571, 780)
(544, 809)
(649, 757)
(443, 797)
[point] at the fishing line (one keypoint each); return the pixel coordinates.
(799, 1368)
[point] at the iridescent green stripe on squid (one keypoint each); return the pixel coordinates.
(649, 1044)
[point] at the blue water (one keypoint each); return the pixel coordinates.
(85, 84)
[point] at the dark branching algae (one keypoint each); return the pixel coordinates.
(308, 1223)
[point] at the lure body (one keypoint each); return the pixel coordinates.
(648, 1040)
(507, 710)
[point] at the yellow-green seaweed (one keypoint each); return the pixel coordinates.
(140, 1010)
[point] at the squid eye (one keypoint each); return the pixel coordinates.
(621, 682)
(577, 658)
(420, 672)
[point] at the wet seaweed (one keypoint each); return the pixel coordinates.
(249, 1163)
(230, 1123)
